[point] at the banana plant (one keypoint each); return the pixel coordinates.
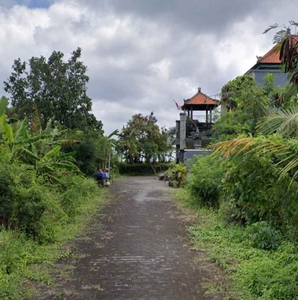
(41, 150)
(6, 129)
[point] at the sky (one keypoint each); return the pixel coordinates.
(143, 54)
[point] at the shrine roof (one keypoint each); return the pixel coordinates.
(200, 100)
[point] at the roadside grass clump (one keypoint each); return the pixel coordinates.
(75, 193)
(29, 247)
(257, 261)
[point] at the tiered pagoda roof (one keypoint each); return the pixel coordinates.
(200, 101)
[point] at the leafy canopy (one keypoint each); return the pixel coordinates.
(142, 140)
(54, 89)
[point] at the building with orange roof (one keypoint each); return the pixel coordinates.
(270, 63)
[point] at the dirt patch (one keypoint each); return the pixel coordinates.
(136, 248)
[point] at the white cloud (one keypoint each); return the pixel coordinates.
(140, 57)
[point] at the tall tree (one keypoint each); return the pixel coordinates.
(247, 103)
(56, 89)
(142, 140)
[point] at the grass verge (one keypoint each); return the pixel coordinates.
(24, 262)
(252, 273)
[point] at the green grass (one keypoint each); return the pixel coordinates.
(252, 273)
(24, 261)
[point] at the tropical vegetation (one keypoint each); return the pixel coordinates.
(246, 192)
(51, 145)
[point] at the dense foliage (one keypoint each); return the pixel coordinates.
(205, 181)
(53, 89)
(246, 103)
(142, 140)
(42, 191)
(141, 169)
(251, 180)
(51, 93)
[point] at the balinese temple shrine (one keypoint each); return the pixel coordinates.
(194, 127)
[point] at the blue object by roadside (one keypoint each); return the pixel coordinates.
(99, 176)
(105, 175)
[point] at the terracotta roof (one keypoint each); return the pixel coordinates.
(200, 99)
(272, 56)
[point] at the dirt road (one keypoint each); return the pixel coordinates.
(136, 248)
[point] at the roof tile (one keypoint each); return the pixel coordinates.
(201, 98)
(272, 56)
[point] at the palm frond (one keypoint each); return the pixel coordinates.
(234, 146)
(293, 23)
(285, 152)
(283, 122)
(293, 164)
(270, 28)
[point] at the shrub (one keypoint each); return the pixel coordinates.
(176, 174)
(254, 192)
(142, 168)
(263, 236)
(22, 198)
(270, 276)
(205, 180)
(79, 190)
(6, 197)
(36, 207)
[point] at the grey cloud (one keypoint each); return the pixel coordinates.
(159, 51)
(115, 86)
(213, 16)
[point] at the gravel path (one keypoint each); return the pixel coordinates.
(136, 248)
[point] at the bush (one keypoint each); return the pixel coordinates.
(270, 276)
(6, 197)
(142, 168)
(254, 192)
(23, 260)
(253, 273)
(22, 198)
(36, 207)
(205, 180)
(176, 174)
(78, 191)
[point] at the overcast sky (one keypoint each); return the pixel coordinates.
(142, 54)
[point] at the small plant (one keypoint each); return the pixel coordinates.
(177, 175)
(263, 236)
